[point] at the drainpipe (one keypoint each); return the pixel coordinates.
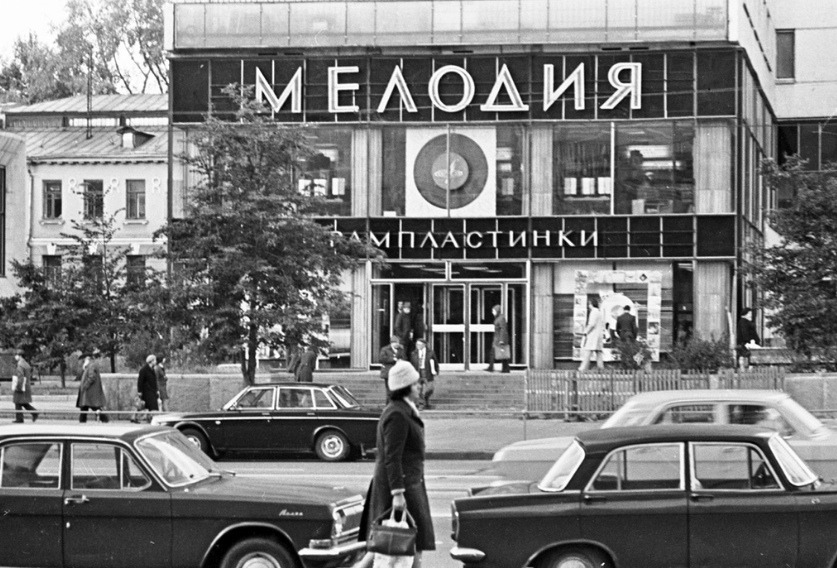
(30, 212)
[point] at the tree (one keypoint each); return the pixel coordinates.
(799, 274)
(250, 262)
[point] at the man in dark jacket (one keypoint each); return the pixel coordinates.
(746, 334)
(147, 384)
(388, 356)
(91, 395)
(306, 366)
(404, 327)
(22, 394)
(626, 325)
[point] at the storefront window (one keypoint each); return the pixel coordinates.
(581, 169)
(654, 168)
(326, 173)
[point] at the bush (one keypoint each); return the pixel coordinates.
(707, 355)
(632, 355)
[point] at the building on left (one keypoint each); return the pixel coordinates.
(70, 161)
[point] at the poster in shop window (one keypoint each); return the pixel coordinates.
(602, 284)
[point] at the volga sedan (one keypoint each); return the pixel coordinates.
(815, 442)
(288, 418)
(91, 496)
(657, 496)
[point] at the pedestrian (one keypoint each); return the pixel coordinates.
(626, 328)
(22, 388)
(293, 360)
(404, 327)
(307, 364)
(746, 337)
(398, 479)
(425, 362)
(388, 356)
(500, 341)
(147, 388)
(162, 382)
(91, 395)
(593, 340)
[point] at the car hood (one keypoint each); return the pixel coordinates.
(541, 449)
(265, 490)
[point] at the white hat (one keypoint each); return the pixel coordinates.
(401, 375)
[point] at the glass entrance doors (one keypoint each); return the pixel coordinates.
(448, 323)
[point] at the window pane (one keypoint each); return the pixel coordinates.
(785, 54)
(322, 400)
(52, 199)
(716, 83)
(94, 198)
(295, 398)
(680, 91)
(828, 147)
(31, 465)
(509, 170)
(730, 467)
(581, 169)
(688, 414)
(809, 145)
(394, 164)
(327, 173)
(256, 398)
(642, 468)
(133, 478)
(94, 466)
(135, 193)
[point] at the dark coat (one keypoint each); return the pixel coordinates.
(147, 387)
(399, 464)
(24, 373)
(90, 391)
(306, 366)
(501, 330)
(746, 333)
(404, 328)
(293, 363)
(626, 326)
(388, 357)
(431, 364)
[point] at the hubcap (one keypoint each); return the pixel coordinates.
(195, 440)
(332, 446)
(573, 562)
(258, 560)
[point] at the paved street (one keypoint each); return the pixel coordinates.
(446, 480)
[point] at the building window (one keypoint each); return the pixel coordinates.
(327, 171)
(135, 206)
(785, 54)
(94, 199)
(2, 221)
(52, 200)
(52, 269)
(135, 270)
(581, 169)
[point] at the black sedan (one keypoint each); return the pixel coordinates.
(289, 418)
(657, 496)
(91, 496)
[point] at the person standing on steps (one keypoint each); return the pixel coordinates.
(500, 340)
(388, 356)
(425, 362)
(22, 388)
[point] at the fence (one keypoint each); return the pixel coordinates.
(594, 394)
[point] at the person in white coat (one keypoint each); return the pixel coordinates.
(593, 336)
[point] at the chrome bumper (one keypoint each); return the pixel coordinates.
(333, 553)
(466, 554)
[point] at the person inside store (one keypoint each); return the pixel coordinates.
(404, 326)
(500, 342)
(746, 338)
(398, 479)
(592, 344)
(389, 354)
(626, 327)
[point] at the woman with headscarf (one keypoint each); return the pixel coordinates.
(398, 481)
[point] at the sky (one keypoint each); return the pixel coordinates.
(19, 17)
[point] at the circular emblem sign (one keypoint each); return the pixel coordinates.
(463, 174)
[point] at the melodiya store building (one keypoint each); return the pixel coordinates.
(526, 153)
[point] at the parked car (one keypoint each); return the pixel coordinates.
(657, 496)
(86, 496)
(288, 418)
(815, 442)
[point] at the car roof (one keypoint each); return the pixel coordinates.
(608, 438)
(126, 432)
(698, 395)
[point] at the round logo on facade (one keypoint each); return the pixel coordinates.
(462, 174)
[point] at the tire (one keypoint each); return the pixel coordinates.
(575, 558)
(332, 446)
(197, 438)
(258, 553)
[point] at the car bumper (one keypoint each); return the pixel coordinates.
(466, 554)
(337, 555)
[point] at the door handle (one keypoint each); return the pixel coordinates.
(701, 497)
(310, 414)
(594, 498)
(76, 500)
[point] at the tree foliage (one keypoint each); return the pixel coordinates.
(122, 42)
(251, 265)
(799, 274)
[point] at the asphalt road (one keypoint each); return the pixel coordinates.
(446, 480)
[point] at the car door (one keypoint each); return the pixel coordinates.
(739, 514)
(114, 513)
(636, 506)
(296, 419)
(30, 504)
(248, 425)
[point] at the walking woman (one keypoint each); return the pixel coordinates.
(398, 480)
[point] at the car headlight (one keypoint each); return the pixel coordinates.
(337, 517)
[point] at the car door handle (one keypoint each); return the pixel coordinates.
(78, 500)
(594, 498)
(311, 413)
(701, 497)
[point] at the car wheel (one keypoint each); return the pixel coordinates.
(575, 558)
(197, 438)
(258, 553)
(332, 446)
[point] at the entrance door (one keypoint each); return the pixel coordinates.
(483, 298)
(448, 323)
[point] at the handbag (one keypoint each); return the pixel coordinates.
(502, 352)
(392, 537)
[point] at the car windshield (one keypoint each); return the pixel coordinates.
(344, 396)
(174, 458)
(796, 470)
(563, 470)
(631, 414)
